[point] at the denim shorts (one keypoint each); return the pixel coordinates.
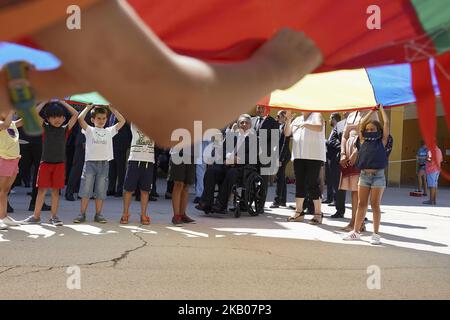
(95, 175)
(372, 180)
(432, 179)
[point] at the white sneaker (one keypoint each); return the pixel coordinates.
(351, 236)
(10, 221)
(376, 239)
(3, 226)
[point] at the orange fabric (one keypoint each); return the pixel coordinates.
(28, 17)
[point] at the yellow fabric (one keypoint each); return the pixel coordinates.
(9, 146)
(330, 91)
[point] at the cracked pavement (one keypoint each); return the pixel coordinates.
(221, 257)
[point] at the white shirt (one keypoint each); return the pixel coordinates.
(99, 145)
(142, 147)
(308, 144)
(240, 140)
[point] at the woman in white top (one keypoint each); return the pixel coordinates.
(308, 154)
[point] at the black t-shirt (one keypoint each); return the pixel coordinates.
(54, 143)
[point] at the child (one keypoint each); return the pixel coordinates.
(182, 175)
(372, 160)
(139, 173)
(433, 168)
(99, 151)
(51, 174)
(9, 163)
(421, 158)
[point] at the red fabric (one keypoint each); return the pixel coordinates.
(442, 71)
(426, 106)
(51, 175)
(229, 30)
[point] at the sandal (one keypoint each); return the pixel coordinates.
(145, 220)
(124, 219)
(298, 217)
(316, 220)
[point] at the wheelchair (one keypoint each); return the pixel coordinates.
(249, 192)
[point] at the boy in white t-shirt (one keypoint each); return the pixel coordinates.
(99, 151)
(139, 173)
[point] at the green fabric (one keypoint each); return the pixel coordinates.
(91, 97)
(434, 15)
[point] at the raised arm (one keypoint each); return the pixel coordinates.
(73, 119)
(288, 125)
(386, 129)
(7, 122)
(121, 120)
(363, 122)
(82, 116)
(39, 109)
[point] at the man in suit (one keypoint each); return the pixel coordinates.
(260, 123)
(285, 156)
(236, 160)
(334, 170)
(117, 167)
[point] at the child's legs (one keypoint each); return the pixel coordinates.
(87, 185)
(126, 202)
(184, 199)
(101, 184)
(55, 202)
(144, 202)
(130, 185)
(98, 206)
(363, 199)
(5, 187)
(40, 202)
(375, 200)
(354, 208)
(178, 187)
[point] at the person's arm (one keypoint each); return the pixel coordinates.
(317, 124)
(38, 111)
(7, 122)
(121, 120)
(73, 119)
(386, 129)
(288, 130)
(82, 116)
(130, 60)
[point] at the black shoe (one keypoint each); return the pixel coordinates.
(70, 197)
(274, 205)
(219, 209)
(155, 194)
(9, 209)
(327, 201)
(110, 193)
(203, 207)
(337, 215)
(196, 200)
(332, 204)
(151, 198)
(118, 194)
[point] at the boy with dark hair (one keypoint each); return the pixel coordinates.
(51, 174)
(99, 151)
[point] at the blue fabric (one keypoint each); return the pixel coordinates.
(42, 60)
(392, 84)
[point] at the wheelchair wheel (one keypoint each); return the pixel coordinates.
(254, 194)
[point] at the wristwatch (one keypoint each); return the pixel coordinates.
(22, 96)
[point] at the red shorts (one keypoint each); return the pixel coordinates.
(51, 175)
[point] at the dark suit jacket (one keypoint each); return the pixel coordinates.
(284, 148)
(268, 124)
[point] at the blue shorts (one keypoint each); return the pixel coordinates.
(139, 175)
(372, 180)
(432, 179)
(95, 175)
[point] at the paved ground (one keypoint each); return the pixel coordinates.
(221, 257)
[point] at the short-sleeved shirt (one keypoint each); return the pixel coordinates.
(54, 143)
(434, 166)
(307, 143)
(422, 155)
(9, 143)
(142, 147)
(99, 145)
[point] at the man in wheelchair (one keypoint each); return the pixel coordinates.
(239, 158)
